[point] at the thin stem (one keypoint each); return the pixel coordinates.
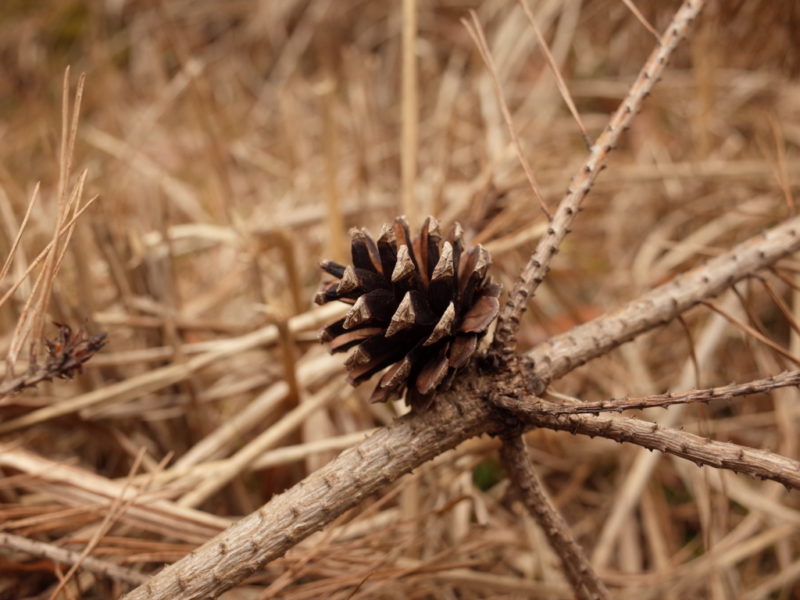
(551, 61)
(757, 386)
(505, 339)
(531, 489)
(701, 451)
(476, 33)
(410, 112)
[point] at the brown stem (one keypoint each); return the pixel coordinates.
(580, 184)
(562, 353)
(66, 355)
(757, 386)
(536, 500)
(294, 515)
(701, 451)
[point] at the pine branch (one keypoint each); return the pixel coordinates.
(562, 353)
(466, 412)
(701, 451)
(580, 184)
(536, 500)
(340, 485)
(757, 386)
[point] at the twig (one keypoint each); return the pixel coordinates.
(536, 500)
(70, 557)
(65, 357)
(563, 353)
(292, 516)
(701, 451)
(413, 440)
(539, 262)
(758, 386)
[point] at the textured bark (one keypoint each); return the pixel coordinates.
(562, 353)
(701, 451)
(343, 483)
(757, 386)
(576, 565)
(466, 412)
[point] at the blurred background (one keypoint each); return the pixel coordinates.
(229, 147)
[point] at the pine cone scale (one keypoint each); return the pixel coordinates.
(404, 268)
(480, 315)
(462, 348)
(365, 253)
(374, 306)
(443, 327)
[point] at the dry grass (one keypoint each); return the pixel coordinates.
(231, 144)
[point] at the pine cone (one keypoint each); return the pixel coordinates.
(419, 306)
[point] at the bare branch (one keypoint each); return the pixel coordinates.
(458, 415)
(292, 516)
(757, 386)
(562, 353)
(701, 451)
(539, 263)
(576, 565)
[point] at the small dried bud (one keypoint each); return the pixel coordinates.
(68, 351)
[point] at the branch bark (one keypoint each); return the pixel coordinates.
(701, 451)
(466, 412)
(580, 184)
(325, 494)
(757, 386)
(562, 353)
(536, 500)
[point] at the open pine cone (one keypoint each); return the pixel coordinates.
(419, 306)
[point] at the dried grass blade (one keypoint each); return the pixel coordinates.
(476, 33)
(551, 61)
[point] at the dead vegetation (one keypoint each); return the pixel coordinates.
(230, 146)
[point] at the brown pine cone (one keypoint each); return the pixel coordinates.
(419, 306)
